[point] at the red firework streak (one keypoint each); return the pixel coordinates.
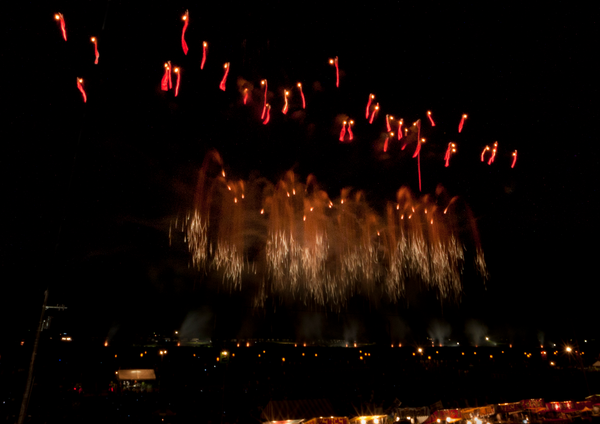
(245, 95)
(164, 83)
(371, 97)
(375, 109)
(80, 87)
(451, 149)
(95, 41)
(302, 95)
(337, 70)
(387, 140)
(350, 134)
(204, 50)
(418, 149)
(186, 21)
(343, 131)
(176, 70)
(60, 18)
(264, 82)
(514, 159)
(491, 160)
(462, 122)
(430, 118)
(419, 160)
(388, 118)
(400, 131)
(224, 80)
(286, 105)
(483, 153)
(267, 114)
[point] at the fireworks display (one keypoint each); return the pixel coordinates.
(306, 245)
(302, 244)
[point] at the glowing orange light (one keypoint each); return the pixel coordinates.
(514, 162)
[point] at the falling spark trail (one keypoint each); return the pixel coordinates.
(323, 254)
(514, 159)
(61, 19)
(95, 41)
(350, 134)
(343, 131)
(493, 156)
(164, 83)
(462, 122)
(485, 149)
(385, 144)
(204, 51)
(371, 97)
(186, 20)
(302, 95)
(418, 148)
(267, 114)
(451, 149)
(375, 109)
(430, 118)
(337, 70)
(176, 70)
(80, 87)
(400, 132)
(388, 118)
(264, 111)
(286, 105)
(224, 80)
(245, 95)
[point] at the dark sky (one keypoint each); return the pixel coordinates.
(90, 189)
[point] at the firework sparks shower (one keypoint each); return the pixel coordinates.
(301, 243)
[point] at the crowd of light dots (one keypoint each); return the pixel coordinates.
(322, 252)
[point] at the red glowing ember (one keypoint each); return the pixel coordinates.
(80, 87)
(224, 80)
(61, 19)
(204, 51)
(95, 41)
(462, 122)
(186, 21)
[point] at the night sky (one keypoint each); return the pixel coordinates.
(91, 189)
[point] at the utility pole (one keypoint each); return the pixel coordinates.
(28, 386)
